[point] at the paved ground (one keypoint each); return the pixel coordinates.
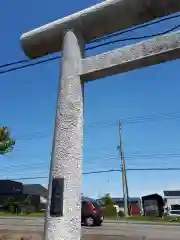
(111, 228)
(36, 236)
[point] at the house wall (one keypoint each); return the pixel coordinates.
(19, 192)
(173, 200)
(153, 205)
(172, 206)
(135, 208)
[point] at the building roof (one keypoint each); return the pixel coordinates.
(2, 181)
(172, 193)
(131, 199)
(155, 195)
(10, 187)
(35, 189)
(84, 198)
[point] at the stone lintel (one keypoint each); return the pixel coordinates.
(146, 53)
(96, 21)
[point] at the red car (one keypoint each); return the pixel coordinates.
(91, 212)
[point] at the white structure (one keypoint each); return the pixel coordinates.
(172, 202)
(117, 210)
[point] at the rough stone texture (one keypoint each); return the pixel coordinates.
(143, 54)
(99, 20)
(67, 150)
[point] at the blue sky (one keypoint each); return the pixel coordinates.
(28, 97)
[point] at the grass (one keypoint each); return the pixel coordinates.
(36, 214)
(132, 218)
(148, 219)
(155, 219)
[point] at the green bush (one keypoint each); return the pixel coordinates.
(109, 211)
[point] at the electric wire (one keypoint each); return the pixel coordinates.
(88, 48)
(102, 171)
(104, 160)
(113, 123)
(135, 28)
(133, 38)
(106, 37)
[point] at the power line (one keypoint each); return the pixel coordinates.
(130, 167)
(13, 63)
(134, 38)
(154, 169)
(134, 28)
(137, 119)
(131, 121)
(29, 65)
(44, 177)
(103, 171)
(172, 151)
(150, 118)
(32, 136)
(106, 159)
(147, 156)
(40, 165)
(88, 48)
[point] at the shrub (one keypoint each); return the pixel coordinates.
(109, 211)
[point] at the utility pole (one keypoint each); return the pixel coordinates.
(123, 169)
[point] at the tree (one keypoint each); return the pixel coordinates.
(108, 204)
(12, 205)
(107, 200)
(27, 204)
(28, 200)
(6, 142)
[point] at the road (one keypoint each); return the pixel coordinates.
(113, 228)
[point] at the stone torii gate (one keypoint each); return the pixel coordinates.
(63, 214)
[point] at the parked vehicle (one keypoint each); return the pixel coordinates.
(91, 212)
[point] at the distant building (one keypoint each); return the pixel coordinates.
(120, 201)
(134, 204)
(38, 195)
(172, 202)
(19, 192)
(8, 189)
(153, 205)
